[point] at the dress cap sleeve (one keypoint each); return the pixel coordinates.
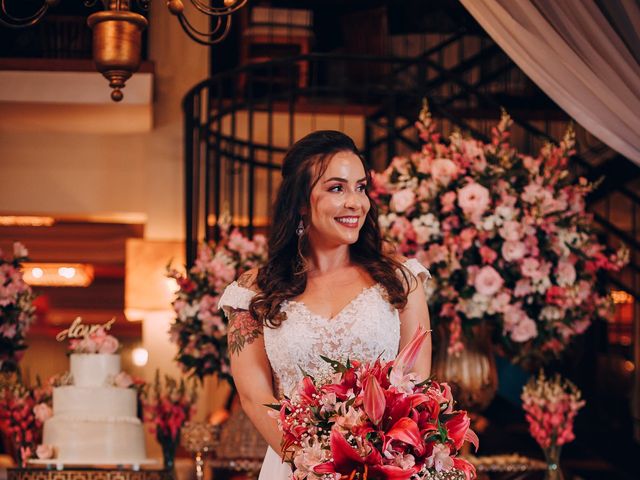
(235, 297)
(417, 268)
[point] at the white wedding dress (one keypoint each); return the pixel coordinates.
(367, 327)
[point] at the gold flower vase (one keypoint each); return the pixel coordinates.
(472, 373)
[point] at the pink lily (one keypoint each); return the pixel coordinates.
(374, 401)
(407, 357)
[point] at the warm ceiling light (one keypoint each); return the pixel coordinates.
(620, 296)
(117, 31)
(25, 221)
(58, 274)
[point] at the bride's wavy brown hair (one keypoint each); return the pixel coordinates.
(284, 276)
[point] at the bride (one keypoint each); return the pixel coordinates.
(329, 287)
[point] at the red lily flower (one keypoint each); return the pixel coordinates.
(459, 431)
(407, 431)
(467, 467)
(346, 458)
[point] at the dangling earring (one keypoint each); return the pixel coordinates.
(300, 229)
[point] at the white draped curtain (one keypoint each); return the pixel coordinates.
(582, 53)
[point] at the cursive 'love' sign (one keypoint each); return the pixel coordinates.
(78, 330)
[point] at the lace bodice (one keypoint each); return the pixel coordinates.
(367, 327)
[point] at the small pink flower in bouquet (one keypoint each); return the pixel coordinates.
(374, 421)
(551, 406)
(17, 311)
(200, 328)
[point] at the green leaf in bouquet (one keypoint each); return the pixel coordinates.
(274, 406)
(337, 366)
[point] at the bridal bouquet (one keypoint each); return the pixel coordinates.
(374, 421)
(200, 328)
(506, 236)
(17, 311)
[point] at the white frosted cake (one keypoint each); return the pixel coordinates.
(94, 422)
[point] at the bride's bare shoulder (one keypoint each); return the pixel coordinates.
(249, 279)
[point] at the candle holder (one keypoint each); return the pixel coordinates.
(199, 438)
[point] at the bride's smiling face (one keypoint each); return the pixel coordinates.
(339, 203)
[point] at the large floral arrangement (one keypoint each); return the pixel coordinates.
(506, 237)
(17, 311)
(551, 406)
(375, 421)
(23, 411)
(200, 328)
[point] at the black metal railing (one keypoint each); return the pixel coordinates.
(239, 124)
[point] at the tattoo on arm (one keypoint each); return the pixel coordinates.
(247, 279)
(243, 330)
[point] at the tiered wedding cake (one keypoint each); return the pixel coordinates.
(94, 420)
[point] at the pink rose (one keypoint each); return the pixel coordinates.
(403, 200)
(513, 250)
(488, 281)
(530, 267)
(86, 345)
(525, 330)
(42, 412)
(443, 170)
(473, 199)
(44, 452)
(109, 345)
(123, 380)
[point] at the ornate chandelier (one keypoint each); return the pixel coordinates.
(117, 31)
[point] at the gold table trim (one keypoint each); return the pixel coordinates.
(87, 474)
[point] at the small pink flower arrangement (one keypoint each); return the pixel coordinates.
(17, 311)
(506, 236)
(200, 328)
(375, 421)
(97, 342)
(166, 407)
(23, 411)
(551, 406)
